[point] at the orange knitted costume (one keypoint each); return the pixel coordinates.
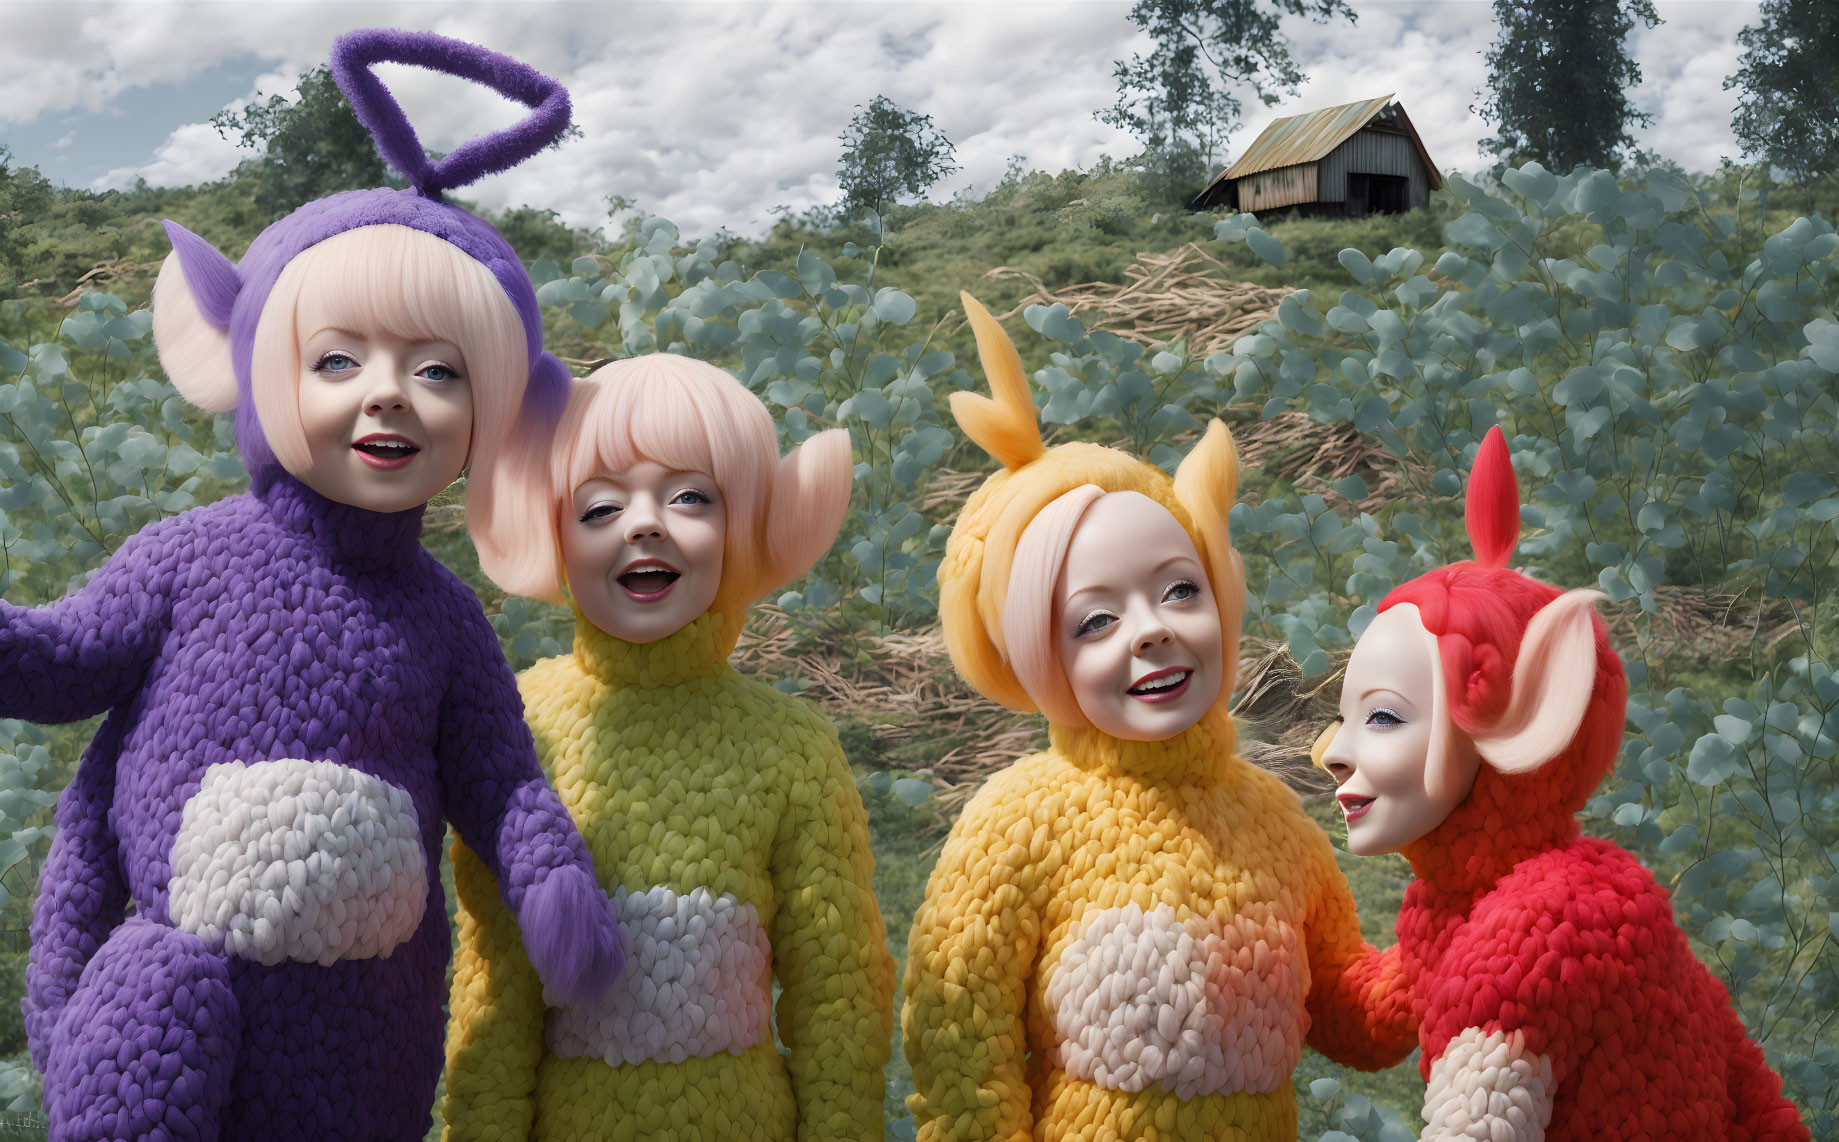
(1123, 940)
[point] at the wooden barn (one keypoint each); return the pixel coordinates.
(1359, 158)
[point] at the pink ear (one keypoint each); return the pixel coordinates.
(1552, 681)
(810, 497)
(194, 350)
(1443, 776)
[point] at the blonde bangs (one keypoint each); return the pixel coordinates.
(399, 281)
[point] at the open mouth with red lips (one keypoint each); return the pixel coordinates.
(386, 450)
(1163, 685)
(648, 580)
(1354, 806)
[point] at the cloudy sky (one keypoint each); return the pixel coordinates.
(715, 114)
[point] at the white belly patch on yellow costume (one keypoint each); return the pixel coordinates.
(696, 983)
(310, 861)
(1199, 1006)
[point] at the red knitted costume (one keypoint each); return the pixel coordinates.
(1518, 922)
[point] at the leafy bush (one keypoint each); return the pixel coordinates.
(97, 445)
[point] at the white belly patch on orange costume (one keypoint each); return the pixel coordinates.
(1199, 1006)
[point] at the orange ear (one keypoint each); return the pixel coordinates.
(1205, 484)
(1323, 740)
(1552, 681)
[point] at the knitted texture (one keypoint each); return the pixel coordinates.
(1122, 940)
(1538, 959)
(297, 695)
(1134, 940)
(726, 824)
(1517, 923)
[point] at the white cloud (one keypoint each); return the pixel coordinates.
(715, 113)
(86, 57)
(1683, 65)
(64, 142)
(192, 154)
(709, 114)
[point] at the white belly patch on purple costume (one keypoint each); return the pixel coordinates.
(310, 861)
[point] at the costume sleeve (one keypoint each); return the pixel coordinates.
(830, 949)
(495, 1030)
(493, 790)
(970, 959)
(498, 801)
(1359, 1005)
(89, 651)
(1551, 965)
(82, 896)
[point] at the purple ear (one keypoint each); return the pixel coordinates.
(354, 53)
(212, 279)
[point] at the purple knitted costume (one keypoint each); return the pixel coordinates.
(297, 696)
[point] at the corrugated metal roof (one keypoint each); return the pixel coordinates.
(1305, 138)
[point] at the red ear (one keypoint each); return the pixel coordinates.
(1492, 510)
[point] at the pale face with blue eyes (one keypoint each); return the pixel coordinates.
(388, 421)
(1135, 621)
(1378, 756)
(643, 549)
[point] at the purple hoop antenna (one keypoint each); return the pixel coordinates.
(354, 54)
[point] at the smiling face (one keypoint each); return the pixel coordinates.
(388, 421)
(1389, 716)
(643, 549)
(1135, 621)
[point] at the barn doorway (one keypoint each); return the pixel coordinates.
(1378, 194)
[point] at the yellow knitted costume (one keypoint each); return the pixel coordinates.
(1123, 940)
(1131, 940)
(726, 824)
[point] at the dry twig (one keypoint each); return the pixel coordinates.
(1312, 456)
(100, 274)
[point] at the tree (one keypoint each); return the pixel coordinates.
(1788, 113)
(312, 146)
(1180, 101)
(537, 233)
(1558, 80)
(25, 198)
(889, 151)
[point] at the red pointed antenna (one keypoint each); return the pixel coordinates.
(1492, 509)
